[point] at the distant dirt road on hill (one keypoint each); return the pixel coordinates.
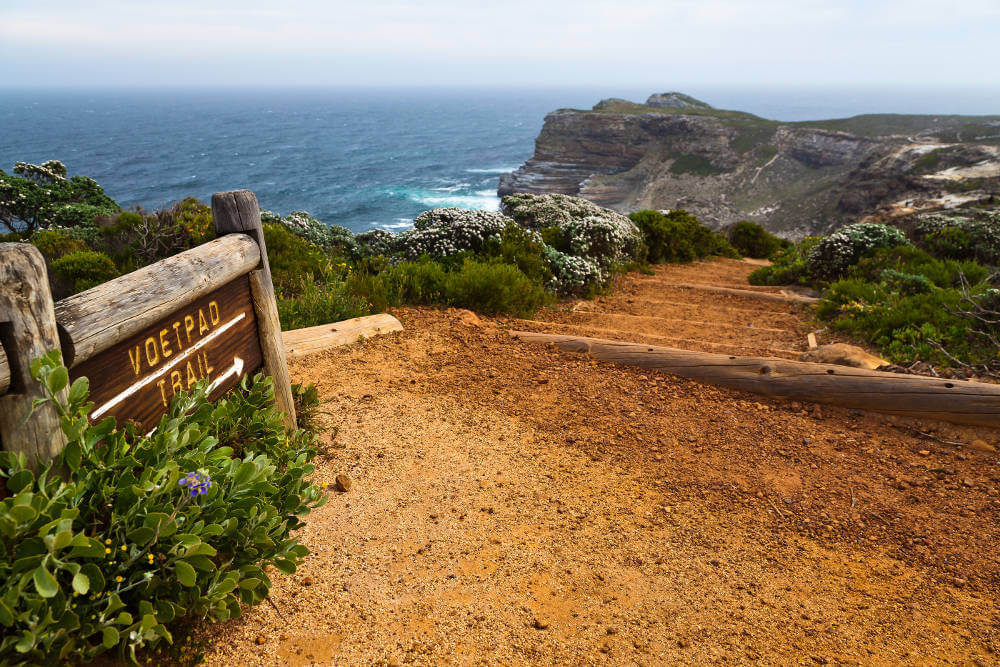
(512, 504)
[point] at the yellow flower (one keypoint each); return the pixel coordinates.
(124, 548)
(324, 485)
(118, 579)
(106, 550)
(107, 541)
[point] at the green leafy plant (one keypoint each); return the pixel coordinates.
(752, 240)
(678, 236)
(83, 269)
(789, 266)
(123, 534)
(40, 196)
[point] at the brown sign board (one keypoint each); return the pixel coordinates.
(214, 337)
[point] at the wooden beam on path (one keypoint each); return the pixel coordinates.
(786, 296)
(301, 342)
(958, 401)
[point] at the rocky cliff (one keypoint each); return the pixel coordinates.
(724, 166)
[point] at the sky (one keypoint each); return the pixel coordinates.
(113, 43)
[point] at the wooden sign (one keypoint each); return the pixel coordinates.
(208, 313)
(214, 337)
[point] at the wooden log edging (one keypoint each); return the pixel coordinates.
(784, 296)
(957, 401)
(4, 373)
(99, 318)
(302, 342)
(27, 330)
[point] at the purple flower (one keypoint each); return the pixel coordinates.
(197, 485)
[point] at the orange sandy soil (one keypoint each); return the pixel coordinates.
(512, 504)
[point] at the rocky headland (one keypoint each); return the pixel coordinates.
(795, 178)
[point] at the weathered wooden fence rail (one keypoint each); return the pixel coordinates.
(209, 312)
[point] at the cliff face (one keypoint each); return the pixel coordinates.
(725, 166)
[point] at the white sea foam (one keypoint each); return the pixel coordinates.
(485, 201)
(491, 170)
(451, 188)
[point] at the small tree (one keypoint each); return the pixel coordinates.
(40, 196)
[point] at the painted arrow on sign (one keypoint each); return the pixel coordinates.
(236, 369)
(162, 371)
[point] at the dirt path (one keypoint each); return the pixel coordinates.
(512, 504)
(663, 309)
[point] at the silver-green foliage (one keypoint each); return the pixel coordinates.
(832, 256)
(327, 237)
(443, 232)
(977, 233)
(124, 533)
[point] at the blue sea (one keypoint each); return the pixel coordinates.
(362, 158)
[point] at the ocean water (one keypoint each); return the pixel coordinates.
(360, 158)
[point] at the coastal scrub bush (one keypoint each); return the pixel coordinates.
(318, 303)
(123, 534)
(832, 256)
(524, 249)
(443, 232)
(789, 266)
(678, 236)
(493, 288)
(331, 238)
(577, 227)
(40, 196)
(909, 319)
(82, 269)
(293, 260)
(969, 235)
(577, 276)
(376, 242)
(752, 240)
(53, 243)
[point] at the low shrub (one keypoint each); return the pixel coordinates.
(331, 238)
(54, 244)
(752, 240)
(524, 249)
(965, 234)
(443, 232)
(83, 269)
(789, 266)
(834, 254)
(313, 303)
(905, 317)
(678, 236)
(124, 534)
(294, 261)
(493, 288)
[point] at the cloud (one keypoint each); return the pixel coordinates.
(519, 41)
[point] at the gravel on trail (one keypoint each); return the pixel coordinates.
(511, 504)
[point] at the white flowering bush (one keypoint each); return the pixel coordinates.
(573, 275)
(586, 229)
(835, 253)
(443, 232)
(327, 237)
(972, 235)
(376, 242)
(604, 239)
(540, 211)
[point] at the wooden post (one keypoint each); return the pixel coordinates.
(237, 211)
(27, 330)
